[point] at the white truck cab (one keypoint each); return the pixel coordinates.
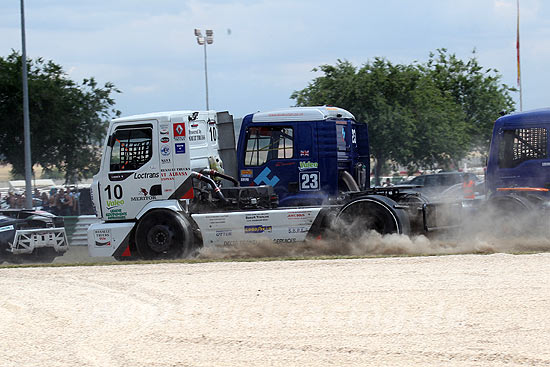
(146, 157)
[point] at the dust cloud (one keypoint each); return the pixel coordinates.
(485, 233)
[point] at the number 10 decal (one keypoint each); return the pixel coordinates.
(309, 181)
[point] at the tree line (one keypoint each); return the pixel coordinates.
(428, 114)
(68, 120)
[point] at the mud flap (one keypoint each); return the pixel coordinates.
(444, 216)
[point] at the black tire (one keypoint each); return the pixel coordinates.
(371, 213)
(510, 216)
(163, 234)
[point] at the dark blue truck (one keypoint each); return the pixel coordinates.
(518, 168)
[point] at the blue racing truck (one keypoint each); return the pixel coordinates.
(518, 168)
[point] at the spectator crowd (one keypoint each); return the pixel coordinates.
(61, 201)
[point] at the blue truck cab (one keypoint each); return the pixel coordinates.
(308, 154)
(519, 161)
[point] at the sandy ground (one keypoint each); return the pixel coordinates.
(482, 310)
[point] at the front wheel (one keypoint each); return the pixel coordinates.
(163, 234)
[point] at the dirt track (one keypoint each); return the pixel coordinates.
(483, 310)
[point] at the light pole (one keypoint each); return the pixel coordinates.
(26, 121)
(208, 39)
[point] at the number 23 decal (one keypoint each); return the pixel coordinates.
(309, 181)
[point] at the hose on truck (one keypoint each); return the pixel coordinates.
(209, 181)
(214, 173)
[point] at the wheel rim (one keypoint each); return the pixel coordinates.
(160, 238)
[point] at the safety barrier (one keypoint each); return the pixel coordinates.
(77, 227)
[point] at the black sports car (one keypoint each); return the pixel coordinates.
(29, 235)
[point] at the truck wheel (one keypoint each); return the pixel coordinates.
(511, 216)
(371, 213)
(163, 234)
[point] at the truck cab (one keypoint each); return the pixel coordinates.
(519, 160)
(147, 157)
(308, 154)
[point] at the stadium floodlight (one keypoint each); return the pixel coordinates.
(203, 41)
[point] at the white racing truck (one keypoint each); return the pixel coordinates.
(161, 191)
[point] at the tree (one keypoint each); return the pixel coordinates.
(478, 91)
(410, 120)
(68, 120)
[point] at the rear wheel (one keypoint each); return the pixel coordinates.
(511, 216)
(163, 234)
(370, 214)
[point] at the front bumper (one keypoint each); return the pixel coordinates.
(27, 240)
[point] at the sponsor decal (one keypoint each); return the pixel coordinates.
(113, 204)
(6, 228)
(143, 194)
(180, 148)
(308, 165)
(279, 164)
(175, 169)
(197, 138)
(116, 214)
(102, 237)
(284, 240)
(143, 198)
(165, 150)
(196, 135)
(286, 114)
(257, 229)
(119, 176)
(246, 173)
(217, 220)
(245, 179)
(164, 129)
(169, 176)
(164, 139)
(298, 215)
(263, 177)
(256, 217)
(304, 153)
(165, 160)
(145, 175)
(298, 230)
(179, 131)
(240, 242)
(224, 233)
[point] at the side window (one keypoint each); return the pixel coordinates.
(520, 145)
(132, 148)
(419, 180)
(264, 143)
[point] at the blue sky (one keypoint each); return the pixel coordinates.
(147, 48)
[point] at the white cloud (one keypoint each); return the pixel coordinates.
(148, 49)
